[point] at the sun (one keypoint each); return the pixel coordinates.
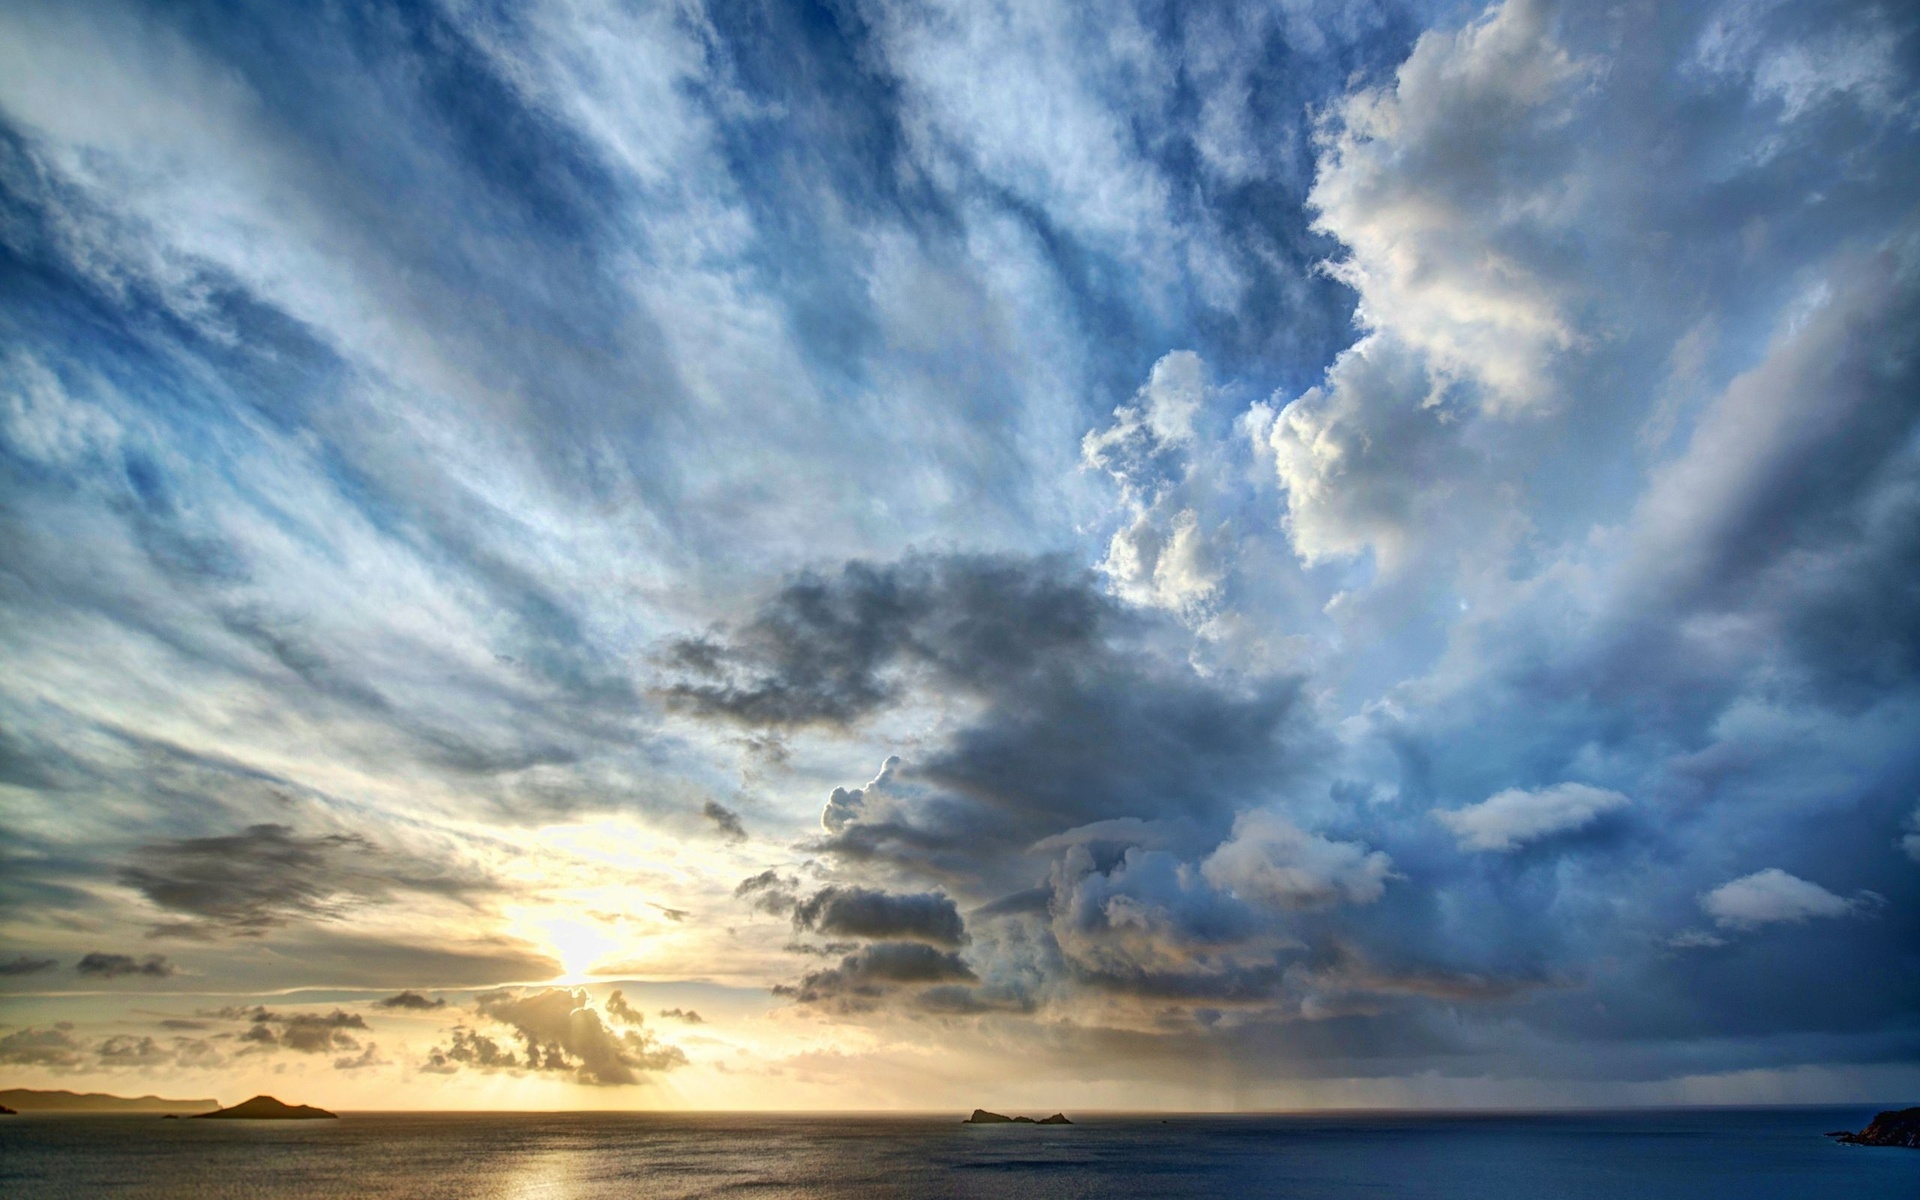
(577, 942)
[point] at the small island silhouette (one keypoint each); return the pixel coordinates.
(1895, 1127)
(982, 1117)
(265, 1108)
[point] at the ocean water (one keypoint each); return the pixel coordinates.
(1696, 1154)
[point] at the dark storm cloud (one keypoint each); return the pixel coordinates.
(25, 964)
(413, 1001)
(829, 649)
(868, 976)
(1083, 717)
(115, 966)
(858, 912)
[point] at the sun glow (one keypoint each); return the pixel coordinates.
(577, 942)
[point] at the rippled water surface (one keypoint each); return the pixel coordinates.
(1738, 1154)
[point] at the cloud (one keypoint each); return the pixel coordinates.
(1159, 556)
(1077, 709)
(1911, 842)
(1772, 897)
(123, 1051)
(686, 1015)
(26, 964)
(865, 978)
(820, 650)
(1440, 233)
(1271, 861)
(769, 892)
(857, 912)
(618, 1008)
(303, 1033)
(559, 1031)
(725, 820)
(247, 883)
(1510, 819)
(412, 1001)
(846, 805)
(32, 1047)
(369, 1056)
(116, 966)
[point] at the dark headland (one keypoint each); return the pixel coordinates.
(1899, 1127)
(982, 1117)
(265, 1108)
(28, 1100)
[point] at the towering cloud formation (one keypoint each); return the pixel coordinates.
(1206, 546)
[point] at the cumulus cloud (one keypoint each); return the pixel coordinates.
(1269, 860)
(1510, 819)
(1771, 897)
(1160, 556)
(1440, 186)
(685, 1015)
(558, 1031)
(846, 805)
(410, 1001)
(116, 966)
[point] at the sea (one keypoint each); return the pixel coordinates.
(1695, 1154)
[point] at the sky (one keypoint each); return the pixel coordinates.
(903, 554)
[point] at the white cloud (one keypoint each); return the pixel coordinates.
(1162, 556)
(847, 805)
(1441, 185)
(1510, 819)
(1772, 896)
(1270, 860)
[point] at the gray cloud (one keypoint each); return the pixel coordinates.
(303, 1033)
(858, 912)
(865, 978)
(268, 876)
(725, 820)
(1084, 712)
(26, 964)
(117, 966)
(410, 1001)
(54, 1047)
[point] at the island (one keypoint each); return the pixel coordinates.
(982, 1117)
(1890, 1128)
(7, 1112)
(265, 1108)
